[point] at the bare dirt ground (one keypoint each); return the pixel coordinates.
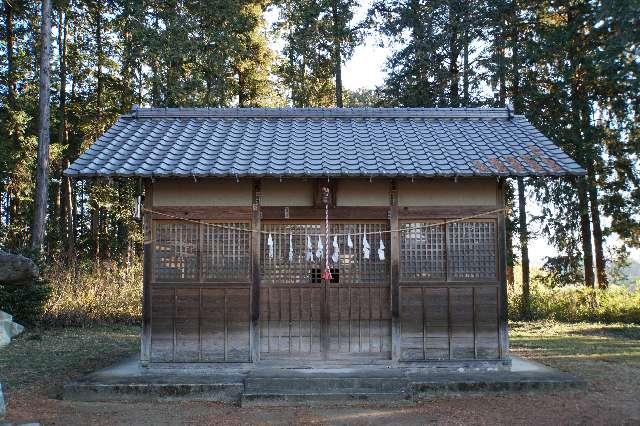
(607, 356)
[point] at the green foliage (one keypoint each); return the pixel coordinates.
(25, 300)
(362, 98)
(578, 303)
(560, 271)
(90, 294)
(434, 43)
(318, 36)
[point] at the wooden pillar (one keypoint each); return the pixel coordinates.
(255, 272)
(147, 271)
(502, 274)
(394, 250)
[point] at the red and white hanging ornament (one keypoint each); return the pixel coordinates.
(326, 274)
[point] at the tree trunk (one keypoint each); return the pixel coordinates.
(502, 75)
(524, 248)
(242, 98)
(9, 39)
(11, 205)
(518, 103)
(100, 54)
(466, 70)
(95, 225)
(337, 52)
(454, 53)
(42, 171)
(601, 274)
(585, 228)
(70, 222)
(62, 99)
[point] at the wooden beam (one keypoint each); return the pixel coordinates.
(317, 213)
(145, 341)
(394, 251)
(337, 213)
(255, 273)
(202, 213)
(409, 213)
(503, 333)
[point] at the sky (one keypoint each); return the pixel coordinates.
(366, 69)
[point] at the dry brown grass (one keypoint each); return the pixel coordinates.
(105, 293)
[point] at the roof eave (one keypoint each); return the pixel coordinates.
(546, 174)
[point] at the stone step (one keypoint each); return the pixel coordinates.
(324, 399)
(324, 384)
(498, 384)
(104, 392)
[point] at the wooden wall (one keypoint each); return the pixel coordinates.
(447, 322)
(442, 296)
(349, 192)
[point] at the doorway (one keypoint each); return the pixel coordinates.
(306, 317)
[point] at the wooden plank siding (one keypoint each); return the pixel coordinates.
(200, 324)
(217, 296)
(449, 323)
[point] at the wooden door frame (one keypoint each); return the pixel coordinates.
(325, 335)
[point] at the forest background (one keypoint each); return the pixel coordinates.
(572, 67)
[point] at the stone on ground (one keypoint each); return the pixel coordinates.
(15, 268)
(3, 409)
(8, 328)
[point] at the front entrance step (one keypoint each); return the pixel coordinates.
(294, 385)
(345, 398)
(317, 387)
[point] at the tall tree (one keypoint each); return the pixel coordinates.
(344, 35)
(524, 247)
(431, 39)
(308, 68)
(42, 171)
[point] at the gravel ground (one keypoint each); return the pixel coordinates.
(608, 357)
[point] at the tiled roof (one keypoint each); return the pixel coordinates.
(322, 142)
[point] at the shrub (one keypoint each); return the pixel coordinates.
(578, 304)
(24, 300)
(103, 293)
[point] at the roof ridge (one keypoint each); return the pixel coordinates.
(366, 112)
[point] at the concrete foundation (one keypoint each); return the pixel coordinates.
(264, 384)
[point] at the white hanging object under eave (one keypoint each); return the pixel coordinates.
(349, 241)
(270, 245)
(366, 248)
(320, 248)
(309, 256)
(290, 248)
(381, 250)
(335, 256)
(137, 213)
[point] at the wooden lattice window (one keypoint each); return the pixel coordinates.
(352, 266)
(176, 252)
(471, 250)
(422, 251)
(280, 269)
(225, 255)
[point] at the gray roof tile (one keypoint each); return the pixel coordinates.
(321, 142)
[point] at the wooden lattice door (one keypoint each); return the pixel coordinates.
(302, 316)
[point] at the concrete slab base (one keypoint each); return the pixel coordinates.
(269, 385)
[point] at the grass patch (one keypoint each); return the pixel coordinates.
(85, 293)
(594, 351)
(606, 342)
(49, 356)
(579, 304)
